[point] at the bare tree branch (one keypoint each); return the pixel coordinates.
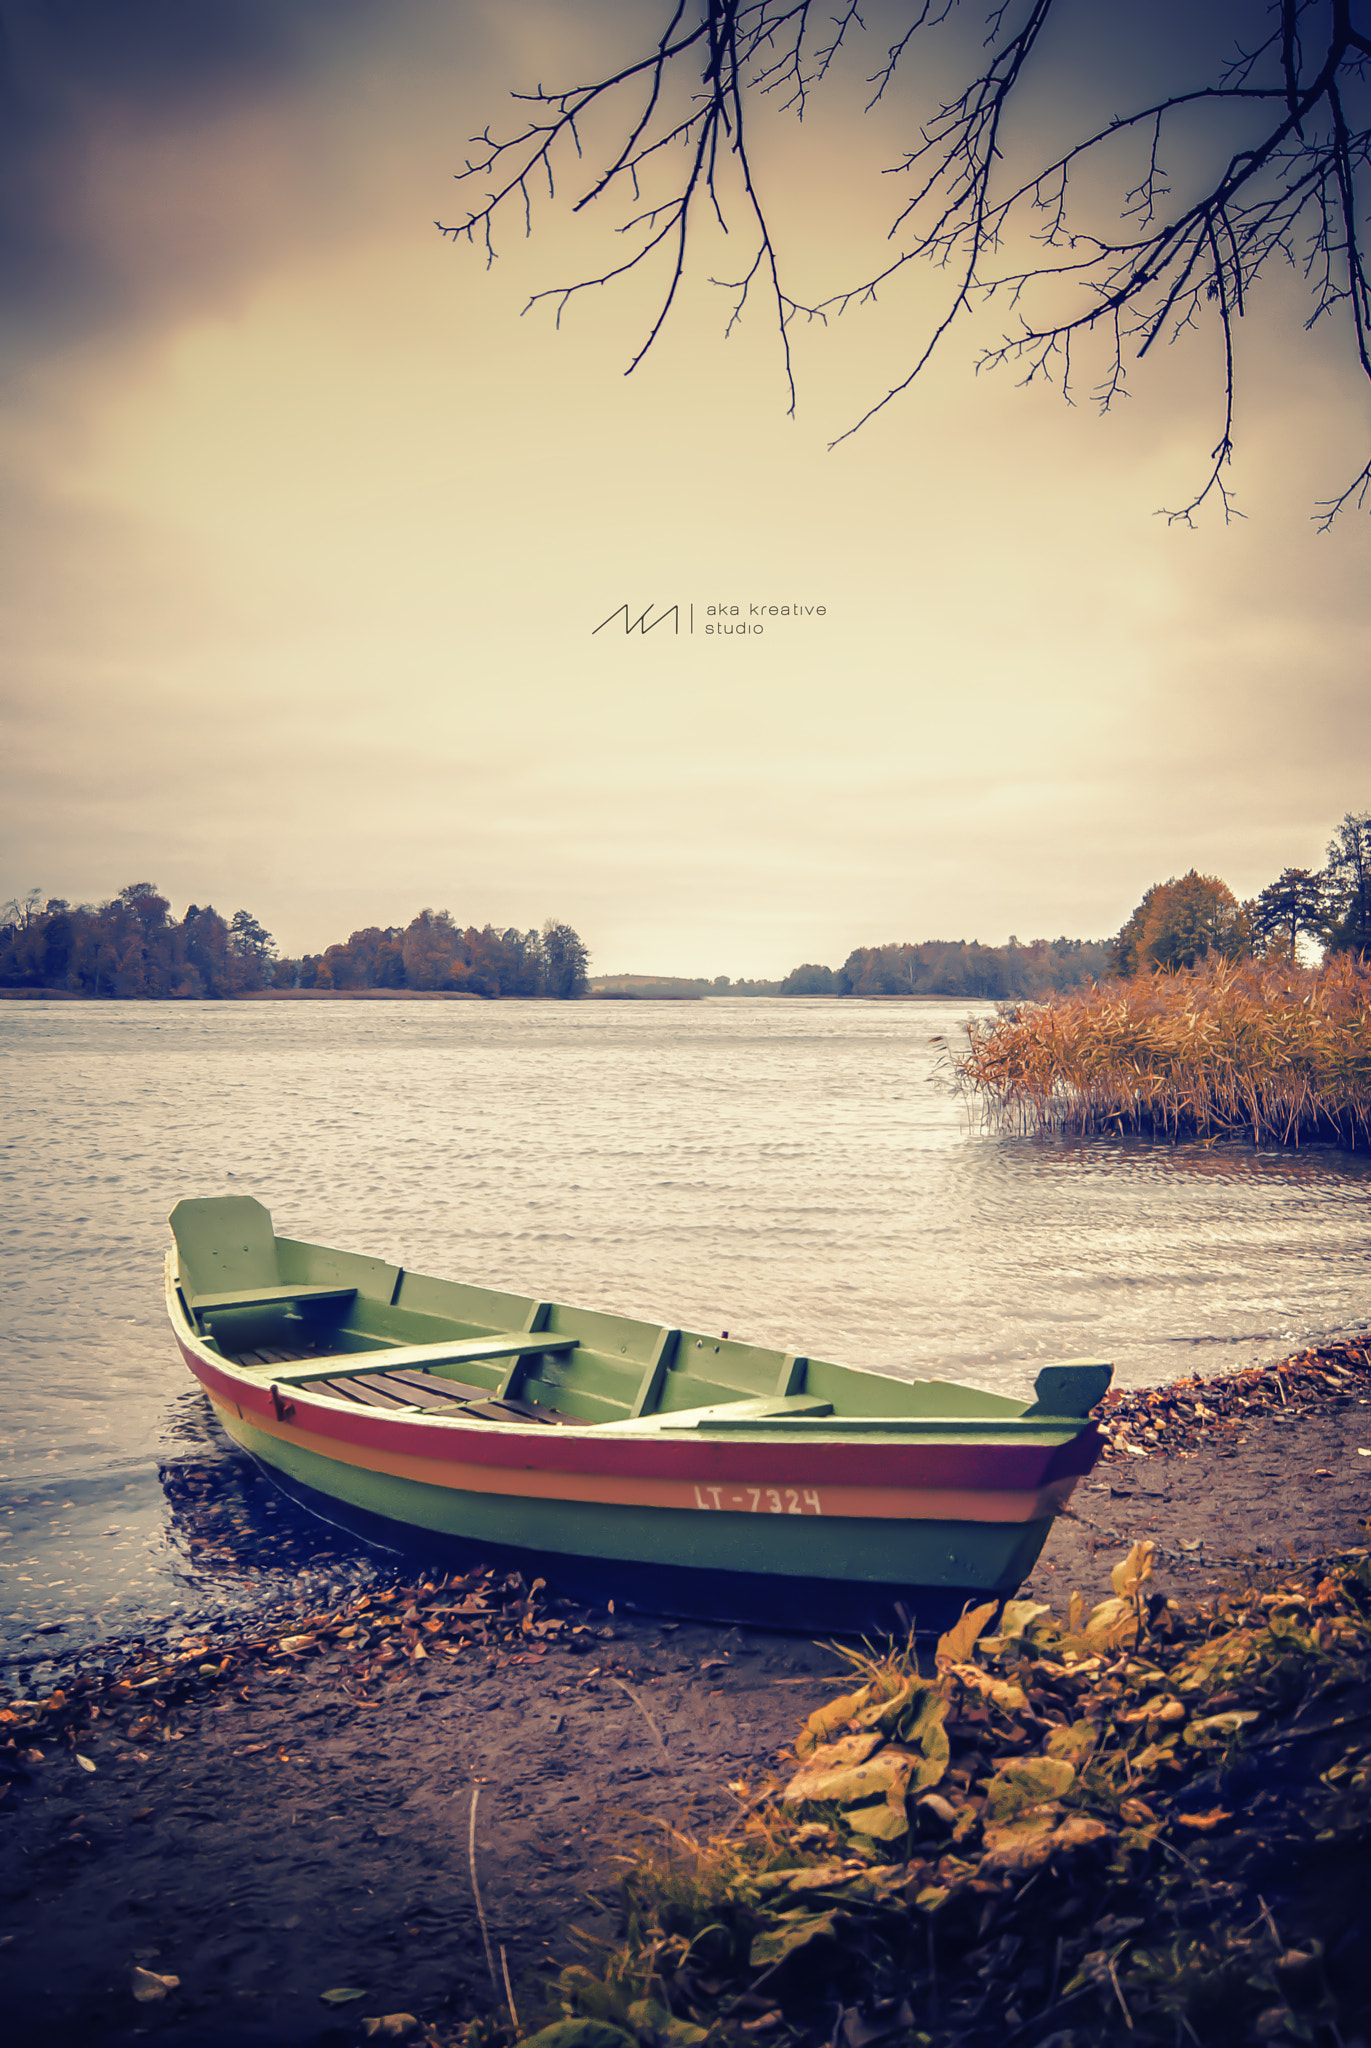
(1006, 229)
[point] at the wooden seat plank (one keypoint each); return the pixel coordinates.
(267, 1297)
(420, 1358)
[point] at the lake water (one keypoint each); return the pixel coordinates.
(800, 1174)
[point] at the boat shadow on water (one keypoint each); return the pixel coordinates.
(238, 1540)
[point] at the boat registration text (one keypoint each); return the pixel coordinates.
(760, 1500)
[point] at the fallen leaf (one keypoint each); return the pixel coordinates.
(1075, 1743)
(813, 1877)
(1028, 1843)
(390, 2026)
(85, 1763)
(956, 1646)
(847, 1750)
(885, 1775)
(1017, 1786)
(146, 1985)
(581, 2033)
(651, 2021)
(341, 1994)
(824, 1723)
(1017, 1616)
(795, 1931)
(1204, 1823)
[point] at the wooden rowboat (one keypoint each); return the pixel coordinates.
(672, 1471)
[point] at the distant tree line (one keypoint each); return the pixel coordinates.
(955, 967)
(132, 946)
(436, 954)
(1178, 924)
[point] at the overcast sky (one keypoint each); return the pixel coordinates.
(306, 532)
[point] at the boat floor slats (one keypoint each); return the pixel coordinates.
(363, 1397)
(423, 1357)
(402, 1389)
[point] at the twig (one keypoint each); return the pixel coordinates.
(656, 1731)
(509, 1993)
(1118, 1993)
(476, 1891)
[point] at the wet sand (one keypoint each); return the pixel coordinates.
(269, 1823)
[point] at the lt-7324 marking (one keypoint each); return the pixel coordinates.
(760, 1500)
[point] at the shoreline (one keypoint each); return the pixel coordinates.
(460, 995)
(274, 1810)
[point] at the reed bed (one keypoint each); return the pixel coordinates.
(1268, 1051)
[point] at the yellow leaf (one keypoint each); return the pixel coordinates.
(1019, 1615)
(1001, 1692)
(824, 1723)
(1135, 1569)
(848, 1785)
(961, 1639)
(1076, 1743)
(833, 1756)
(888, 1711)
(884, 1823)
(1028, 1843)
(1028, 1782)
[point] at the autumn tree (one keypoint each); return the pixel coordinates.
(1258, 112)
(1180, 922)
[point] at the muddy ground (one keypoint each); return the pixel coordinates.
(301, 1820)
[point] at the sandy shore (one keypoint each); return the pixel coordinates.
(277, 1816)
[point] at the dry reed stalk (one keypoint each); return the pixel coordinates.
(1265, 1050)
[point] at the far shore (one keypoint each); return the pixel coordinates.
(449, 995)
